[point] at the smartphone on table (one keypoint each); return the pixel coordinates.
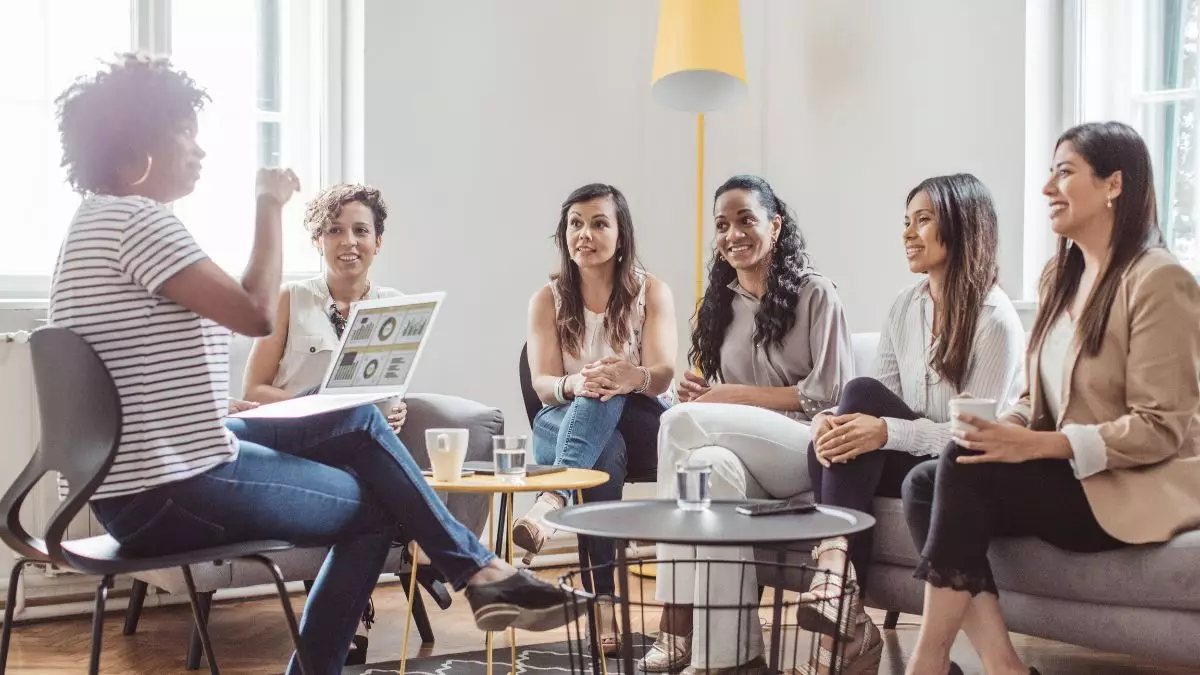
(775, 508)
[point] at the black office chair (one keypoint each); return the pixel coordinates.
(80, 433)
(638, 425)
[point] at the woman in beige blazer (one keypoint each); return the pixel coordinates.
(1102, 450)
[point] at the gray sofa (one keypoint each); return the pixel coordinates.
(1143, 601)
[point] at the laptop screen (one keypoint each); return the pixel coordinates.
(381, 346)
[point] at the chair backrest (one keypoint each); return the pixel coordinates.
(80, 430)
(533, 403)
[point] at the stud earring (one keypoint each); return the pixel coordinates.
(149, 165)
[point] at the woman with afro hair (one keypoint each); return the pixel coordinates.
(134, 284)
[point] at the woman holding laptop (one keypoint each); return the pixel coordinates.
(133, 283)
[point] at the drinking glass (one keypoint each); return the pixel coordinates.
(508, 454)
(692, 481)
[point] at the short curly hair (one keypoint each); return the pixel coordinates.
(327, 206)
(119, 114)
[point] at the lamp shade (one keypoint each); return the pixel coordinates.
(698, 61)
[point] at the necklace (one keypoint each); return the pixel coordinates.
(335, 317)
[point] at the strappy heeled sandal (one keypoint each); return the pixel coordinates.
(818, 613)
(530, 531)
(606, 619)
(864, 660)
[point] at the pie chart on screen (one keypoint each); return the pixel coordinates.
(387, 328)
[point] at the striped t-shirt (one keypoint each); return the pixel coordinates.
(170, 365)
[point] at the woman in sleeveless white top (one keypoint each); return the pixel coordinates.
(601, 349)
(311, 336)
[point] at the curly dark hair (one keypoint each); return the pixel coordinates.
(789, 270)
(328, 205)
(119, 115)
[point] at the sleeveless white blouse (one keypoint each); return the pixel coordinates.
(311, 340)
(595, 344)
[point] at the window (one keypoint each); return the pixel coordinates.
(262, 61)
(1139, 62)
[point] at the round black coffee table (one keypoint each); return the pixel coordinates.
(661, 521)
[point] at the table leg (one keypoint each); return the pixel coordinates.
(595, 621)
(625, 647)
(777, 617)
(495, 548)
(512, 632)
(412, 593)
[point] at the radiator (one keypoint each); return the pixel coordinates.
(19, 426)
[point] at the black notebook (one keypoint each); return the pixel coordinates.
(485, 468)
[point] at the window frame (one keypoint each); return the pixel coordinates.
(1124, 97)
(319, 92)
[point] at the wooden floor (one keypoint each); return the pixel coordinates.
(250, 638)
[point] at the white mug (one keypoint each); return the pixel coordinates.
(447, 449)
(983, 408)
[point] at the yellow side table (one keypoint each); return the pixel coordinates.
(571, 479)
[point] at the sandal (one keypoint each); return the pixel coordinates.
(530, 531)
(818, 612)
(606, 619)
(864, 660)
(669, 653)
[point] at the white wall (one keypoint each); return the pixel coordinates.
(479, 120)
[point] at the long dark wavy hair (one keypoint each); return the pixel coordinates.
(567, 283)
(1108, 147)
(967, 228)
(788, 273)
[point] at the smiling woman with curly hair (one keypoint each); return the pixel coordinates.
(773, 349)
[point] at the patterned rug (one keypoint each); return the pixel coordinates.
(552, 657)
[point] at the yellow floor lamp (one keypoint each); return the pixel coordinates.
(699, 67)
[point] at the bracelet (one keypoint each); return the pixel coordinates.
(645, 380)
(559, 385)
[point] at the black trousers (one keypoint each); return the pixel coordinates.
(955, 510)
(856, 483)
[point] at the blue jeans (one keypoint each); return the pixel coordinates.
(583, 434)
(342, 480)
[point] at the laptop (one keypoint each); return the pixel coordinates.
(380, 347)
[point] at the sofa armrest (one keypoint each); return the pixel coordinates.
(437, 411)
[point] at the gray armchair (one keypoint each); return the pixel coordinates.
(425, 411)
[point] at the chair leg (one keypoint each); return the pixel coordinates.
(420, 615)
(98, 624)
(306, 667)
(137, 598)
(10, 608)
(200, 617)
(195, 641)
(890, 620)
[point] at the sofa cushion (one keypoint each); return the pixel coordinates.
(864, 346)
(1162, 575)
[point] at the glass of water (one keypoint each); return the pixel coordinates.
(508, 454)
(692, 481)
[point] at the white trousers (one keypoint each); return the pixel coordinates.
(755, 453)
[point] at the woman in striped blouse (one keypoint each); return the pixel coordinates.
(953, 333)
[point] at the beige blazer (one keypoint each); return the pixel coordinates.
(1143, 391)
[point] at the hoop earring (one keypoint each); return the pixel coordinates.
(149, 165)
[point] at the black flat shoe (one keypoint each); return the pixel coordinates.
(357, 656)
